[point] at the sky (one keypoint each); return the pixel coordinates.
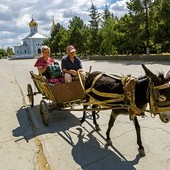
(15, 15)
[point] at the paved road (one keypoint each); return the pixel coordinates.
(64, 145)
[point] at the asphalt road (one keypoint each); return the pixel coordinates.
(25, 143)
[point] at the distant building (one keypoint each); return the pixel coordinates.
(31, 44)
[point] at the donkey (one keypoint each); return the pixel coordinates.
(108, 91)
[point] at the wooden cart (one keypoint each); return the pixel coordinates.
(60, 95)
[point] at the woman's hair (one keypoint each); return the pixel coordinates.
(43, 48)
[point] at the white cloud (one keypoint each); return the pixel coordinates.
(119, 8)
(3, 8)
(16, 15)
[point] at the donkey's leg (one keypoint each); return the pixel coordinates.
(84, 115)
(139, 141)
(84, 112)
(110, 125)
(94, 118)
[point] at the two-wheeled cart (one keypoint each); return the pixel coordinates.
(61, 96)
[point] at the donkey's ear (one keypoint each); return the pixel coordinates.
(168, 75)
(150, 74)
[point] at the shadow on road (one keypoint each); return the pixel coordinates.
(90, 155)
(31, 125)
(88, 152)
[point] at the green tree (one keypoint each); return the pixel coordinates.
(94, 41)
(106, 14)
(9, 51)
(56, 35)
(2, 53)
(162, 32)
(145, 28)
(77, 34)
(56, 41)
(125, 43)
(109, 36)
(141, 14)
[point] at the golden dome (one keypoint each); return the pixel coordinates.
(33, 23)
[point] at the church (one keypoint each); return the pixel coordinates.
(30, 46)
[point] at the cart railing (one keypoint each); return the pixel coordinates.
(42, 86)
(59, 94)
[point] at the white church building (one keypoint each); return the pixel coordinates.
(30, 46)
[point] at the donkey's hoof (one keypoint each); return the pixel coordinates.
(109, 142)
(97, 128)
(80, 122)
(142, 152)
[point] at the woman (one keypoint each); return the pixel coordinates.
(47, 66)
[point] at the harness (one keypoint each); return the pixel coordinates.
(113, 96)
(152, 94)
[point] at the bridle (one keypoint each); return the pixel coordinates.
(156, 101)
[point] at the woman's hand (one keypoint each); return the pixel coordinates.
(41, 69)
(73, 72)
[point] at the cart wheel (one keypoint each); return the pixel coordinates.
(30, 95)
(44, 112)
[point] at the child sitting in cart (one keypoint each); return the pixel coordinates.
(48, 67)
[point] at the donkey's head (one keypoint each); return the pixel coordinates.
(160, 94)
